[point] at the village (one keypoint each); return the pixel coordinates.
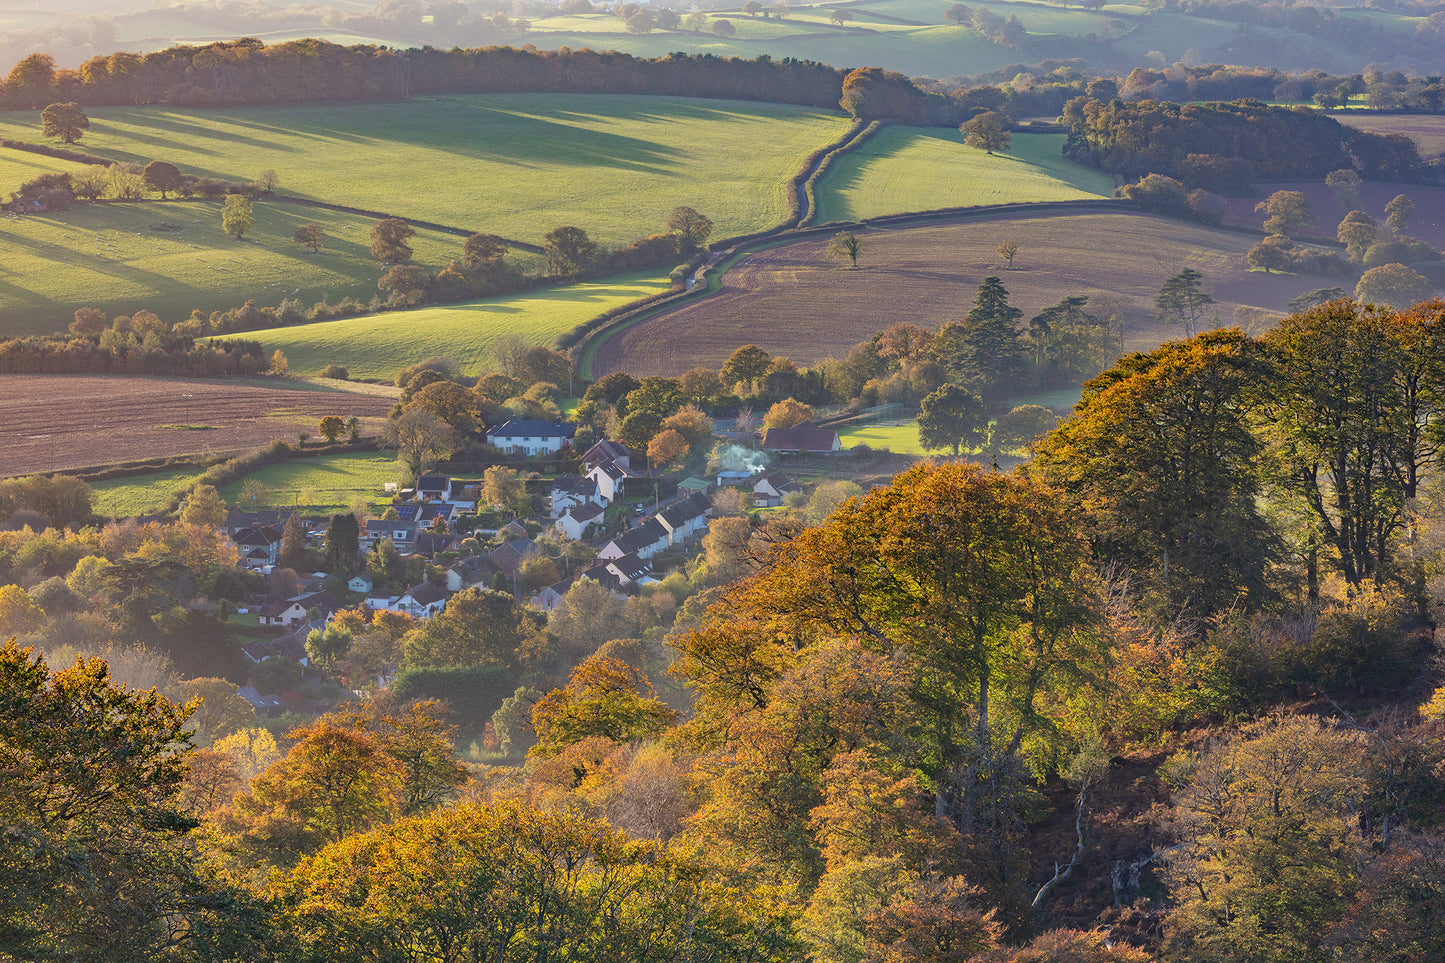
(614, 522)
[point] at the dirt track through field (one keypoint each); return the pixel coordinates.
(53, 422)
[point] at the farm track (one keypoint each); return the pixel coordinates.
(59, 422)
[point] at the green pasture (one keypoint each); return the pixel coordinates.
(170, 257)
(900, 438)
(141, 494)
(904, 169)
(517, 165)
(379, 345)
(328, 483)
(19, 166)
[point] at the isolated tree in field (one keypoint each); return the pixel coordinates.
(237, 216)
(1398, 213)
(65, 122)
(162, 176)
(780, 9)
(1357, 232)
(697, 21)
(267, 181)
(752, 8)
(1346, 185)
(331, 428)
(1394, 285)
(388, 240)
(694, 227)
(840, 17)
(986, 132)
(1288, 213)
(960, 14)
(1182, 300)
(1271, 254)
(280, 367)
(310, 235)
(952, 417)
(1008, 250)
(724, 28)
(845, 244)
(569, 251)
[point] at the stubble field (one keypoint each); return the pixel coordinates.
(53, 422)
(793, 301)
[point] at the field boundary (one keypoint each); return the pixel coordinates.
(585, 351)
(428, 225)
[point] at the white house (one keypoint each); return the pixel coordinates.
(569, 491)
(421, 602)
(630, 569)
(283, 613)
(611, 478)
(360, 584)
(685, 519)
(402, 533)
(769, 490)
(576, 521)
(530, 438)
(259, 546)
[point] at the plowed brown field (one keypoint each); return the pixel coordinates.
(791, 300)
(52, 422)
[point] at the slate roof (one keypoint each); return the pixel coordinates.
(804, 436)
(518, 428)
(425, 594)
(648, 533)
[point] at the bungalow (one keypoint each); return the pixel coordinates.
(646, 540)
(576, 522)
(531, 438)
(604, 577)
(431, 511)
(422, 601)
(685, 519)
(804, 436)
(769, 490)
(285, 613)
(360, 584)
(734, 479)
(263, 704)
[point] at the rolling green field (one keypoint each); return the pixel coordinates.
(140, 494)
(19, 166)
(904, 169)
(326, 482)
(517, 165)
(902, 439)
(171, 257)
(379, 345)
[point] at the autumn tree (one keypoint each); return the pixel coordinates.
(1161, 462)
(478, 627)
(1357, 232)
(1019, 428)
(570, 252)
(1008, 250)
(1346, 184)
(1288, 213)
(845, 244)
(952, 417)
(310, 235)
(666, 447)
(604, 698)
(1398, 213)
(787, 413)
(503, 488)
(1182, 300)
(65, 122)
(1393, 285)
(420, 438)
(204, 507)
(96, 862)
(389, 238)
(162, 176)
(745, 366)
(986, 132)
(237, 216)
(695, 228)
(331, 428)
